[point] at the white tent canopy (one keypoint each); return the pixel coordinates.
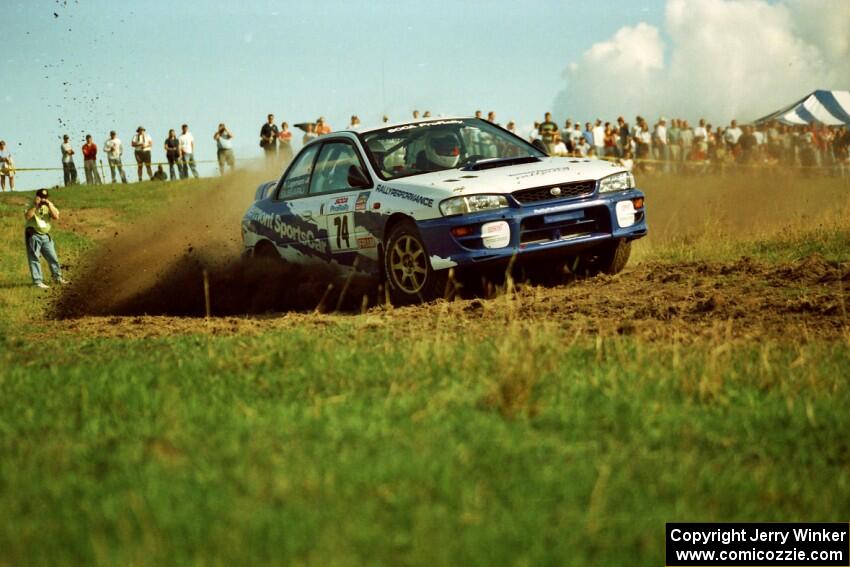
(831, 108)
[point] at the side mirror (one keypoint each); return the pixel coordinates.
(356, 178)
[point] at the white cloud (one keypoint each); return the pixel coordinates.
(721, 59)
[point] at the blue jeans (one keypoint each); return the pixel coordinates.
(42, 245)
(187, 161)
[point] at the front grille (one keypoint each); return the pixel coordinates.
(568, 191)
(564, 226)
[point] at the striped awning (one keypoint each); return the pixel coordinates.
(821, 107)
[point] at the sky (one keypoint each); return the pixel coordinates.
(90, 66)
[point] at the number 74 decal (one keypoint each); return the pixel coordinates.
(340, 230)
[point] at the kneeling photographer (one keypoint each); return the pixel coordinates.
(38, 240)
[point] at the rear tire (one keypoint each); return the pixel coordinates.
(407, 268)
(609, 258)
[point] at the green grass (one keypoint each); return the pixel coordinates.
(352, 446)
(350, 443)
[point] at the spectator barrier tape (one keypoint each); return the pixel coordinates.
(101, 165)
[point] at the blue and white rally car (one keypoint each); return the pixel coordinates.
(408, 202)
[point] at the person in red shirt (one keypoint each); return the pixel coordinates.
(322, 127)
(90, 162)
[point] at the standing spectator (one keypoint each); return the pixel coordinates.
(69, 170)
(310, 133)
(787, 138)
(610, 141)
(416, 115)
(774, 141)
(547, 131)
(674, 134)
(547, 127)
(142, 144)
(285, 143)
(686, 136)
(699, 145)
(643, 139)
(90, 162)
(567, 131)
(710, 142)
(732, 135)
(749, 145)
(114, 152)
(355, 122)
(427, 114)
(7, 168)
(322, 127)
(187, 152)
(491, 117)
(534, 133)
(478, 114)
(624, 141)
(268, 137)
(511, 127)
(172, 154)
(588, 136)
(661, 143)
(385, 119)
(598, 138)
(761, 143)
(38, 240)
(720, 150)
(575, 134)
(224, 148)
(808, 147)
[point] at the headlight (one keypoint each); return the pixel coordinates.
(617, 182)
(472, 204)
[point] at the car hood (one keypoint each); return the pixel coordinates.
(507, 179)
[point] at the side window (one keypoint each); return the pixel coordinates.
(298, 177)
(331, 172)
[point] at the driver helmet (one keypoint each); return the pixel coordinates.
(443, 149)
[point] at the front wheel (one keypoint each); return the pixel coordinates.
(609, 258)
(410, 277)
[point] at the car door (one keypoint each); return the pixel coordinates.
(296, 229)
(343, 206)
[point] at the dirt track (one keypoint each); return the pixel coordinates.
(744, 299)
(147, 278)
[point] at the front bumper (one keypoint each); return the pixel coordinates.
(559, 227)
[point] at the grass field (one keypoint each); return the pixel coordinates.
(473, 432)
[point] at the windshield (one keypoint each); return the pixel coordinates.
(438, 145)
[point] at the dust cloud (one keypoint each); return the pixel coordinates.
(156, 266)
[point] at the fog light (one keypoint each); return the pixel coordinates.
(461, 231)
(625, 213)
(495, 234)
(638, 203)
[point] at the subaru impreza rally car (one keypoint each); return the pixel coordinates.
(408, 202)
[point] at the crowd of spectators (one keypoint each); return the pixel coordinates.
(179, 155)
(678, 146)
(663, 146)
